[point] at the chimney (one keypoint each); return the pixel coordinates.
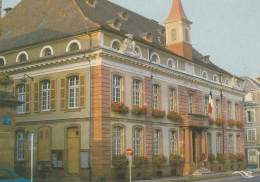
(178, 31)
(7, 10)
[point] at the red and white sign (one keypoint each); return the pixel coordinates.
(129, 152)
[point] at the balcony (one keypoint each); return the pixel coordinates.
(195, 120)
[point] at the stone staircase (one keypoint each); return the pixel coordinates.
(71, 177)
(201, 171)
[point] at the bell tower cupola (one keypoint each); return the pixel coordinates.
(178, 28)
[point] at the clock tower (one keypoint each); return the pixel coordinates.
(178, 31)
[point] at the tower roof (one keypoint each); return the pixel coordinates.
(177, 11)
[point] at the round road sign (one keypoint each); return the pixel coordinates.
(129, 152)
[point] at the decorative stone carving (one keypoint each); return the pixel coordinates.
(129, 46)
(234, 83)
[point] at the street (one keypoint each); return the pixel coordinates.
(236, 179)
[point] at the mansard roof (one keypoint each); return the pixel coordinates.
(32, 22)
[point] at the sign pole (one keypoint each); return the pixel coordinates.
(31, 158)
(258, 160)
(130, 168)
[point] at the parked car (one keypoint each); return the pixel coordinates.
(7, 175)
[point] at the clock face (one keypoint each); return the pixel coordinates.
(173, 35)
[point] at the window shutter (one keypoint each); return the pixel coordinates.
(27, 97)
(63, 93)
(27, 153)
(82, 91)
(244, 115)
(252, 116)
(53, 94)
(44, 144)
(36, 96)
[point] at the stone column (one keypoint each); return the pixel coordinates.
(203, 142)
(186, 170)
(191, 146)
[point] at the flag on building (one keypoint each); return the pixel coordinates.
(210, 102)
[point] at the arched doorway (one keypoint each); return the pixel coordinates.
(73, 150)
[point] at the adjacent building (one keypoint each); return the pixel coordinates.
(252, 120)
(87, 62)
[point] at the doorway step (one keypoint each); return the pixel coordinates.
(201, 171)
(71, 177)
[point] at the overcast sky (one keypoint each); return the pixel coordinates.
(227, 30)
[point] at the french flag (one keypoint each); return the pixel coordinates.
(210, 102)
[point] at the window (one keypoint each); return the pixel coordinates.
(21, 98)
(173, 142)
(215, 78)
(230, 144)
(84, 159)
(217, 106)
(204, 75)
(74, 46)
(136, 93)
(171, 99)
(238, 144)
(22, 57)
(155, 58)
(190, 104)
(173, 35)
(118, 141)
(252, 158)
(206, 106)
(117, 88)
(236, 112)
(229, 110)
(171, 63)
(218, 144)
(156, 142)
(57, 159)
(45, 95)
(155, 97)
(20, 145)
(138, 142)
(209, 143)
(2, 62)
(116, 45)
(250, 116)
(74, 92)
(47, 52)
(251, 135)
(187, 37)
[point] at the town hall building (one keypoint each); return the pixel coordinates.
(96, 78)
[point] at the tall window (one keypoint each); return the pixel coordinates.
(229, 110)
(206, 106)
(156, 142)
(74, 92)
(21, 98)
(118, 141)
(217, 106)
(218, 147)
(230, 144)
(209, 143)
(45, 95)
(117, 84)
(252, 156)
(236, 112)
(250, 116)
(238, 144)
(137, 142)
(190, 104)
(20, 145)
(173, 142)
(136, 93)
(171, 99)
(155, 97)
(251, 135)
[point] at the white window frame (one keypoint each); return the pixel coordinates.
(2, 57)
(21, 98)
(247, 133)
(236, 116)
(138, 141)
(218, 143)
(43, 51)
(155, 97)
(73, 97)
(172, 99)
(217, 79)
(229, 110)
(71, 42)
(206, 74)
(190, 103)
(252, 150)
(174, 64)
(117, 89)
(20, 145)
(251, 111)
(118, 140)
(19, 54)
(137, 93)
(158, 57)
(173, 142)
(217, 102)
(206, 105)
(156, 142)
(45, 95)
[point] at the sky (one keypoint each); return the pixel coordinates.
(227, 30)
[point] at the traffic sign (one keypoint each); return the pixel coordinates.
(31, 137)
(129, 152)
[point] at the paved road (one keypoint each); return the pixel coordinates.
(235, 179)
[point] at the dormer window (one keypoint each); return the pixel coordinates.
(215, 78)
(161, 31)
(123, 15)
(171, 63)
(155, 58)
(46, 51)
(73, 45)
(2, 61)
(116, 24)
(22, 56)
(116, 45)
(92, 3)
(204, 75)
(147, 36)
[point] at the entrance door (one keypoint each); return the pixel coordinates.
(194, 147)
(73, 150)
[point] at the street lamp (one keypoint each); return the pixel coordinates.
(23, 79)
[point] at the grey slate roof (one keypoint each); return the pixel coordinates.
(68, 17)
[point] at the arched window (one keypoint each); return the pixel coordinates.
(118, 140)
(73, 46)
(73, 92)
(116, 45)
(155, 58)
(171, 63)
(138, 143)
(20, 145)
(117, 88)
(2, 61)
(204, 75)
(22, 56)
(215, 78)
